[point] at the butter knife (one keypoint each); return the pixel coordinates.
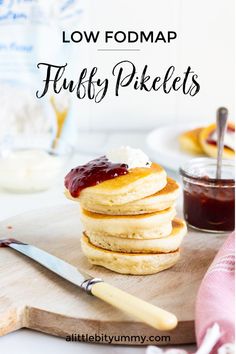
(142, 310)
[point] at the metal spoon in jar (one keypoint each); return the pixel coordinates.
(221, 123)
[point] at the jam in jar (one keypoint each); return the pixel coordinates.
(209, 203)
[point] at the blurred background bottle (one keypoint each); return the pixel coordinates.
(31, 128)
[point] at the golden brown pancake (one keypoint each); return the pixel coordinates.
(135, 185)
(166, 244)
(145, 226)
(210, 148)
(128, 263)
(189, 141)
(160, 200)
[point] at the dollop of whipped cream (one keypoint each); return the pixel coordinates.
(129, 156)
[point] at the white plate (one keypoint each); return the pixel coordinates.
(164, 145)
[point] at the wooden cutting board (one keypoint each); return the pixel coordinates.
(33, 297)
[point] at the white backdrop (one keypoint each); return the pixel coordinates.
(205, 41)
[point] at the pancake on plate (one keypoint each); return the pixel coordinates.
(160, 200)
(136, 184)
(189, 141)
(166, 244)
(145, 226)
(128, 263)
(207, 139)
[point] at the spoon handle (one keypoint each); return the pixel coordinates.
(221, 123)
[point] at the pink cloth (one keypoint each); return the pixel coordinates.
(215, 299)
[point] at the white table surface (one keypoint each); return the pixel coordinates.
(25, 341)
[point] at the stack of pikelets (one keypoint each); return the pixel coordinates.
(129, 222)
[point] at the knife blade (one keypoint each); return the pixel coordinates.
(148, 313)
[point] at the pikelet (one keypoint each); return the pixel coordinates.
(128, 263)
(189, 141)
(138, 183)
(207, 139)
(161, 200)
(128, 213)
(166, 244)
(203, 141)
(144, 226)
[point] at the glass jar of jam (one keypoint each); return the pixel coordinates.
(209, 203)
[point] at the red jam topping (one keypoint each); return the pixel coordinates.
(230, 130)
(92, 173)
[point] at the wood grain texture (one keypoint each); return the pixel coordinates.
(33, 297)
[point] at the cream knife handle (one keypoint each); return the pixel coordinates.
(148, 313)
